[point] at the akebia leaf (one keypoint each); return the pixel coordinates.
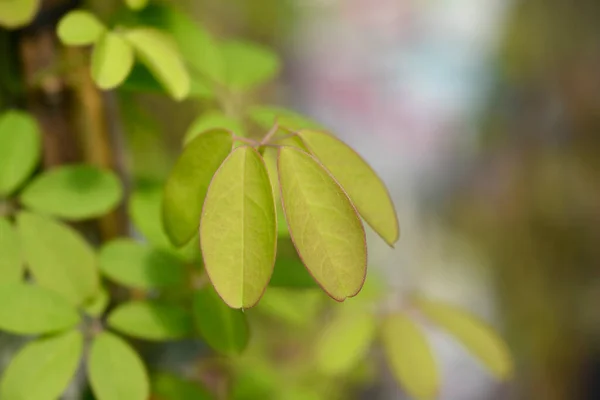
(79, 28)
(323, 224)
(20, 149)
(366, 190)
(223, 328)
(477, 337)
(116, 371)
(73, 192)
(11, 259)
(58, 257)
(42, 369)
(160, 54)
(112, 60)
(238, 229)
(151, 320)
(28, 309)
(188, 182)
(410, 357)
(345, 341)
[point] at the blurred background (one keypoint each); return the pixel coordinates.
(482, 117)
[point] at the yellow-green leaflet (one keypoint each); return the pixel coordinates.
(79, 28)
(366, 190)
(410, 357)
(476, 336)
(187, 185)
(323, 224)
(238, 229)
(17, 13)
(112, 60)
(345, 342)
(160, 54)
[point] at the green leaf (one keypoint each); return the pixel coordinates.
(58, 257)
(28, 310)
(212, 120)
(136, 4)
(11, 259)
(361, 183)
(475, 335)
(133, 264)
(73, 192)
(188, 182)
(238, 230)
(116, 371)
(42, 369)
(298, 308)
(410, 357)
(96, 306)
(265, 117)
(247, 64)
(79, 28)
(112, 60)
(323, 224)
(151, 320)
(344, 342)
(224, 329)
(171, 387)
(20, 149)
(159, 53)
(17, 13)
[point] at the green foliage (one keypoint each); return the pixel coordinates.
(171, 387)
(151, 320)
(247, 65)
(11, 262)
(17, 13)
(239, 204)
(136, 4)
(80, 28)
(20, 149)
(115, 370)
(28, 309)
(73, 192)
(112, 60)
(223, 328)
(58, 257)
(212, 120)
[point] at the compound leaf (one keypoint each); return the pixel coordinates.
(58, 257)
(151, 320)
(112, 60)
(42, 369)
(116, 371)
(11, 259)
(224, 329)
(28, 310)
(410, 357)
(323, 224)
(20, 149)
(73, 192)
(188, 183)
(361, 183)
(476, 336)
(238, 229)
(79, 28)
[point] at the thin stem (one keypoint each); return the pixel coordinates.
(291, 135)
(245, 140)
(270, 134)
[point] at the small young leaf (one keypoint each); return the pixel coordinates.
(162, 58)
(73, 192)
(345, 341)
(112, 60)
(323, 224)
(265, 117)
(238, 229)
(212, 120)
(410, 357)
(188, 182)
(223, 328)
(28, 310)
(96, 306)
(476, 336)
(136, 4)
(171, 387)
(133, 264)
(11, 259)
(17, 13)
(42, 369)
(116, 371)
(247, 64)
(79, 28)
(151, 320)
(58, 257)
(20, 149)
(363, 186)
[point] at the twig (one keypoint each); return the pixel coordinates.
(270, 134)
